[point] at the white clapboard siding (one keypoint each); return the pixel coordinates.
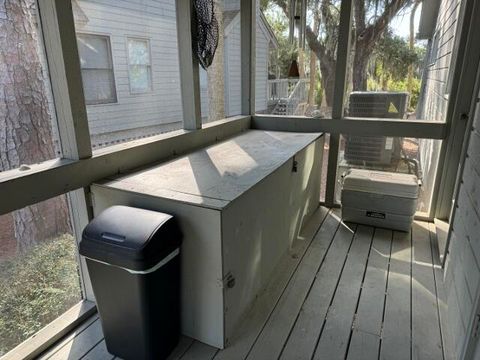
(435, 94)
(153, 20)
(160, 108)
(463, 271)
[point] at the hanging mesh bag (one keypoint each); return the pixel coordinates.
(205, 37)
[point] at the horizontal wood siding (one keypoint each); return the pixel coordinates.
(463, 270)
(139, 115)
(151, 19)
(436, 78)
(438, 64)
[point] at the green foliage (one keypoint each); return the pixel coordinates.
(36, 288)
(390, 65)
(398, 85)
(286, 51)
(395, 55)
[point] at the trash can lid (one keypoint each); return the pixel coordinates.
(132, 238)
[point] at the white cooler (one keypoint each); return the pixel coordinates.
(379, 198)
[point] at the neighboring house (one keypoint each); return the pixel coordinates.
(130, 71)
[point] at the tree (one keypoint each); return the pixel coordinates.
(368, 32)
(286, 50)
(412, 43)
(26, 127)
(215, 73)
(371, 19)
(395, 56)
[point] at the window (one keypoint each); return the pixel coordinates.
(142, 43)
(139, 67)
(97, 69)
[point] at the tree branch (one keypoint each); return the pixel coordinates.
(371, 32)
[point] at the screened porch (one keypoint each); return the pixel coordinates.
(246, 137)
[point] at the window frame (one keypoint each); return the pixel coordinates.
(148, 66)
(107, 37)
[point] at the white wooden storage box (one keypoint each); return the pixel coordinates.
(379, 198)
(240, 203)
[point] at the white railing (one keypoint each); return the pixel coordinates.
(287, 94)
(280, 88)
(299, 94)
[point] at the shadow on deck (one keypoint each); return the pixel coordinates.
(344, 291)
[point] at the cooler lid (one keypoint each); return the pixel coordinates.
(381, 182)
(132, 238)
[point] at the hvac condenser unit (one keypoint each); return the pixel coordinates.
(375, 149)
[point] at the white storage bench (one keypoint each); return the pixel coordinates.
(240, 204)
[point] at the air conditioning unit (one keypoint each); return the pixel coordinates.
(379, 150)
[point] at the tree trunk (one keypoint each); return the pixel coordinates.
(313, 73)
(26, 126)
(412, 46)
(313, 61)
(360, 62)
(301, 63)
(328, 79)
(215, 73)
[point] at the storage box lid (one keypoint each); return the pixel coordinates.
(381, 182)
(132, 238)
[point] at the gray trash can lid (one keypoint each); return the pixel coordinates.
(131, 238)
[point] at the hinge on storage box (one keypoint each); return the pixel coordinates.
(228, 281)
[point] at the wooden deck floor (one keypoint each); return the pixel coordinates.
(344, 292)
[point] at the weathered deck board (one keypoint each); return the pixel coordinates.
(184, 344)
(81, 343)
(304, 336)
(99, 352)
(363, 346)
(441, 296)
(343, 292)
(395, 343)
(69, 338)
(426, 337)
(199, 351)
(335, 336)
(277, 329)
(367, 328)
(369, 317)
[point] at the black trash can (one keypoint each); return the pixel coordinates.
(134, 264)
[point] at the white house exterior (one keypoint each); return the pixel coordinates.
(129, 60)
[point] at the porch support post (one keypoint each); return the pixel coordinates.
(248, 15)
(60, 41)
(189, 71)
(343, 53)
(459, 111)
